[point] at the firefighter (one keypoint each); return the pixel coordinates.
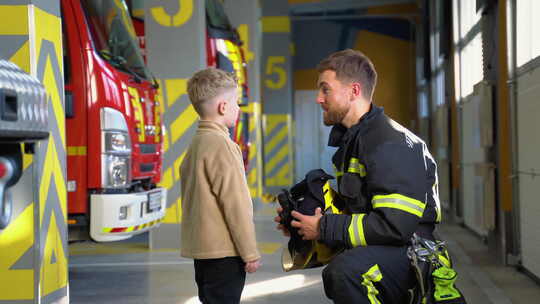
(386, 181)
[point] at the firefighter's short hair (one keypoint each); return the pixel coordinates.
(207, 84)
(352, 66)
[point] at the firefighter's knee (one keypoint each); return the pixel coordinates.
(334, 273)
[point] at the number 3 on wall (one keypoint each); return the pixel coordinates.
(275, 65)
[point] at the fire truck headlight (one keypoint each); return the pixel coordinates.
(116, 171)
(116, 142)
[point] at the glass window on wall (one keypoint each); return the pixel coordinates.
(527, 23)
(468, 41)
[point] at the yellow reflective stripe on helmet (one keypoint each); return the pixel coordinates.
(372, 275)
(329, 199)
(401, 202)
(356, 230)
(356, 167)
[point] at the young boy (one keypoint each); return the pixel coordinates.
(217, 212)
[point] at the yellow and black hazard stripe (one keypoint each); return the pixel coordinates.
(131, 228)
(277, 150)
(179, 120)
(254, 174)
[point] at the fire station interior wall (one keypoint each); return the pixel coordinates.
(528, 149)
(478, 176)
(245, 16)
(276, 95)
(475, 123)
(33, 248)
(175, 44)
(386, 41)
(311, 136)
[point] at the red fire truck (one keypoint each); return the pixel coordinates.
(113, 125)
(224, 51)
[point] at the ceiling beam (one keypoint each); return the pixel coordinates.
(340, 5)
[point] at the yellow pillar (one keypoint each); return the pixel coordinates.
(33, 248)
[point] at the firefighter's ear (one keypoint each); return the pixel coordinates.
(356, 90)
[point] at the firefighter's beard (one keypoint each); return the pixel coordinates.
(335, 116)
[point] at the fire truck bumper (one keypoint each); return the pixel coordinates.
(117, 217)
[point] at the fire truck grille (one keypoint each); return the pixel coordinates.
(148, 148)
(146, 167)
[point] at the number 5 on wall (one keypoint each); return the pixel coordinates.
(276, 65)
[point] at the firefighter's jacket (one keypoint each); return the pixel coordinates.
(387, 184)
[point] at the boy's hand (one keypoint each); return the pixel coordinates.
(252, 266)
(308, 225)
(277, 219)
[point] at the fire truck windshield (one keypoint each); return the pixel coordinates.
(114, 36)
(216, 16)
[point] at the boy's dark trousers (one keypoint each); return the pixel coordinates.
(220, 280)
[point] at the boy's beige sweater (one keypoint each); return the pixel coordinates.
(217, 211)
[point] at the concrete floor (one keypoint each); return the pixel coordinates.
(129, 273)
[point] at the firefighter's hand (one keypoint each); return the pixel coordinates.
(308, 225)
(252, 266)
(277, 219)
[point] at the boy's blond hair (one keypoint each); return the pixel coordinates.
(207, 84)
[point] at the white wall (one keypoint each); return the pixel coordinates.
(311, 136)
(528, 129)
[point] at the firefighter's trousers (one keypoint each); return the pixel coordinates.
(369, 275)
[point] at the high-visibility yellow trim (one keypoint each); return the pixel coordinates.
(398, 201)
(356, 230)
(329, 195)
(276, 24)
(234, 55)
(356, 167)
(137, 112)
(76, 150)
(157, 118)
(336, 171)
(444, 258)
(371, 276)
